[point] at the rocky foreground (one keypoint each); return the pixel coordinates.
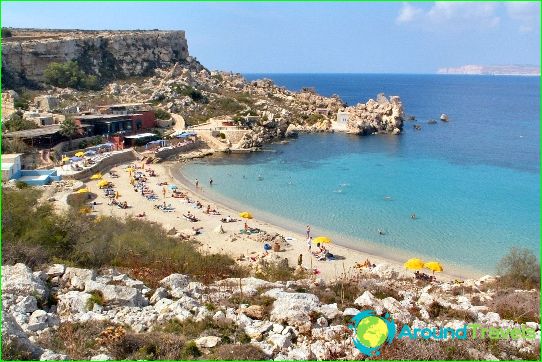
(293, 320)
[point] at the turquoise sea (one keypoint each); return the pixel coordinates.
(473, 183)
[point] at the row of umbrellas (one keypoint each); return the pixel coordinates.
(417, 264)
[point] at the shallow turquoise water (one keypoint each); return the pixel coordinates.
(472, 204)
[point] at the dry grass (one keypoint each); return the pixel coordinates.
(519, 307)
(238, 352)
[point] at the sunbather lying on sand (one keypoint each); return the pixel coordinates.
(190, 217)
(228, 219)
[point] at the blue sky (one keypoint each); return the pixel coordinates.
(398, 37)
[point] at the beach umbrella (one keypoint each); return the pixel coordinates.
(172, 187)
(79, 154)
(246, 215)
(65, 159)
(321, 240)
(75, 159)
(82, 191)
(103, 183)
(414, 264)
(434, 266)
(90, 153)
(130, 169)
(96, 176)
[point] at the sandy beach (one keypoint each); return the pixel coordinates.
(231, 242)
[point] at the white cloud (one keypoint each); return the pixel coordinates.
(456, 14)
(526, 13)
(408, 13)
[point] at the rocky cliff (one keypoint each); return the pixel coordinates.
(107, 54)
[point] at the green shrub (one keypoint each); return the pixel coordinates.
(191, 350)
(21, 185)
(6, 33)
(14, 146)
(17, 123)
(38, 234)
(222, 135)
(96, 297)
(69, 75)
(520, 268)
(161, 114)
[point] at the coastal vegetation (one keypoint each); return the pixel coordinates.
(70, 75)
(16, 122)
(34, 234)
(161, 114)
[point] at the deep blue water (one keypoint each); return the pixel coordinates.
(473, 182)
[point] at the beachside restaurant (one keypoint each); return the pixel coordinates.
(44, 137)
(108, 124)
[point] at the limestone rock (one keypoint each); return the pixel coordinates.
(118, 294)
(207, 342)
(73, 302)
(254, 312)
(49, 355)
(19, 280)
(56, 270)
(101, 357)
(293, 308)
(76, 277)
(13, 333)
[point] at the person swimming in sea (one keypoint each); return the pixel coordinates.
(413, 216)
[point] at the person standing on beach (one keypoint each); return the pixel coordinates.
(308, 231)
(300, 259)
(309, 243)
(197, 183)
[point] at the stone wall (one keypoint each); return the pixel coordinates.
(165, 154)
(108, 54)
(115, 159)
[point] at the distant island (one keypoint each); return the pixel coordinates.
(473, 69)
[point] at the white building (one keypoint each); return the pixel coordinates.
(11, 165)
(343, 117)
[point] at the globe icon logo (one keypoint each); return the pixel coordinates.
(371, 332)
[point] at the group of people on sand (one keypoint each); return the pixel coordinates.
(366, 264)
(322, 253)
(425, 277)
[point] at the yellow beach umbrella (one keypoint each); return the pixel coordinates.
(82, 191)
(321, 239)
(129, 169)
(103, 183)
(414, 264)
(96, 176)
(65, 159)
(246, 215)
(434, 266)
(79, 154)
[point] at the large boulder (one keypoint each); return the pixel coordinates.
(14, 336)
(207, 342)
(293, 308)
(367, 300)
(118, 294)
(18, 280)
(76, 277)
(176, 283)
(73, 302)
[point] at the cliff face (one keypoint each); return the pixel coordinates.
(107, 54)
